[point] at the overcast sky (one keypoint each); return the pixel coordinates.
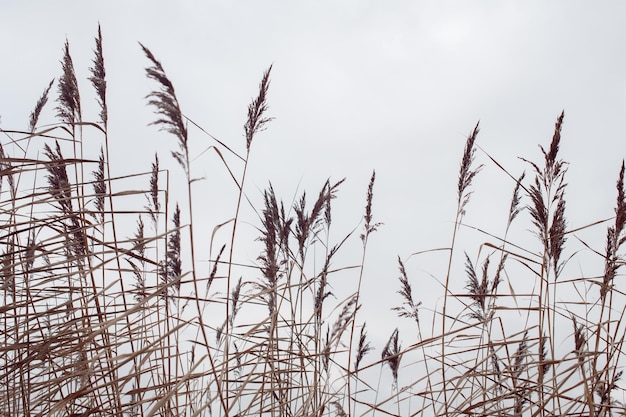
(394, 86)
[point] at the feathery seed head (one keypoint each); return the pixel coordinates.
(467, 172)
(98, 78)
(256, 110)
(170, 117)
(68, 109)
(34, 116)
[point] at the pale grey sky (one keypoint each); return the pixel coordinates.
(394, 86)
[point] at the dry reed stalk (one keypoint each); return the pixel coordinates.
(604, 377)
(369, 227)
(547, 194)
(467, 172)
(171, 119)
(255, 123)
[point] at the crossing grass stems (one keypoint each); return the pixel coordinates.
(96, 323)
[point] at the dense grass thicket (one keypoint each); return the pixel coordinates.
(108, 310)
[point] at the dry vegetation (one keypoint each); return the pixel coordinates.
(101, 320)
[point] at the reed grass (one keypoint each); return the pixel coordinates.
(108, 312)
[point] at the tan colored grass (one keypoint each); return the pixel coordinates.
(105, 315)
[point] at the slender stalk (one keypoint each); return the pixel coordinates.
(466, 175)
(369, 227)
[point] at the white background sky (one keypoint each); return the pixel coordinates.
(394, 86)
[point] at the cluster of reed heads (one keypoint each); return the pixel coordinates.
(108, 311)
